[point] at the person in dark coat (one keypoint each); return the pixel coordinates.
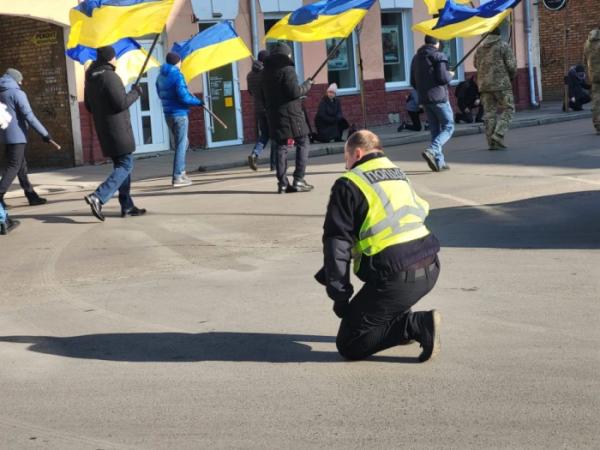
(15, 135)
(330, 120)
(414, 110)
(282, 97)
(430, 76)
(106, 99)
(254, 80)
(467, 99)
(579, 89)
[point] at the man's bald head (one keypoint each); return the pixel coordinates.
(360, 144)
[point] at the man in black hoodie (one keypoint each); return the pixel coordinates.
(253, 79)
(106, 99)
(282, 96)
(430, 76)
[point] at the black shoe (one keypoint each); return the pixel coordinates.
(302, 186)
(96, 206)
(430, 160)
(430, 336)
(133, 211)
(401, 127)
(252, 162)
(289, 189)
(35, 199)
(8, 226)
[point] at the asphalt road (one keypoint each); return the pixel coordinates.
(200, 325)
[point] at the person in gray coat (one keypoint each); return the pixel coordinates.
(14, 136)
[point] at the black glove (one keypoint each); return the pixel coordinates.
(46, 139)
(340, 308)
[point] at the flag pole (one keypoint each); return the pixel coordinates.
(329, 56)
(214, 116)
(148, 56)
(363, 100)
(469, 53)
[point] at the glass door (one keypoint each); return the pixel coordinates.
(149, 127)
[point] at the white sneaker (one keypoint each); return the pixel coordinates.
(181, 181)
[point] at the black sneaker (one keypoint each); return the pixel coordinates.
(96, 206)
(8, 226)
(430, 160)
(133, 211)
(302, 186)
(252, 162)
(34, 199)
(430, 338)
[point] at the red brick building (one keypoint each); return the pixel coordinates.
(562, 36)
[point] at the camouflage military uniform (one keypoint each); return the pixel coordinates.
(591, 54)
(496, 68)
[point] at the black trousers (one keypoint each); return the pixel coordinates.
(302, 149)
(380, 315)
(577, 105)
(16, 166)
(415, 118)
(467, 116)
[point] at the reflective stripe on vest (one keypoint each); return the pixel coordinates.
(396, 213)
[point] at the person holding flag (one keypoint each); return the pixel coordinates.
(105, 98)
(176, 101)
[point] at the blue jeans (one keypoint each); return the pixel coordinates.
(263, 137)
(441, 126)
(3, 215)
(119, 179)
(178, 126)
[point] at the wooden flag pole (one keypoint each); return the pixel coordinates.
(363, 100)
(214, 116)
(147, 59)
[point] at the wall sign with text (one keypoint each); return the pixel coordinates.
(555, 5)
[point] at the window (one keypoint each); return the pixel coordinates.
(341, 67)
(453, 50)
(396, 41)
(295, 46)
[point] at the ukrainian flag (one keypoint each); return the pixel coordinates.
(130, 58)
(434, 6)
(214, 47)
(97, 23)
(461, 21)
(325, 19)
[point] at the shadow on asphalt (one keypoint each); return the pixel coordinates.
(563, 221)
(190, 347)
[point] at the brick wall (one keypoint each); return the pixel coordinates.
(562, 35)
(37, 49)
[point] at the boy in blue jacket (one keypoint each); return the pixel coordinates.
(176, 101)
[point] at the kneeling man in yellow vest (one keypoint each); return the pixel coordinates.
(376, 219)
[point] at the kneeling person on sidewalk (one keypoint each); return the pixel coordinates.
(176, 101)
(375, 218)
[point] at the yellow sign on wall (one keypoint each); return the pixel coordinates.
(228, 102)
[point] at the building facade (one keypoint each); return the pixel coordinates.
(385, 42)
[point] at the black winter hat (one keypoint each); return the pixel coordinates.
(173, 58)
(262, 55)
(105, 54)
(281, 48)
(431, 40)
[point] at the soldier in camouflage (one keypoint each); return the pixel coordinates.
(496, 68)
(591, 53)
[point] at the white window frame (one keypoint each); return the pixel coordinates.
(460, 52)
(407, 36)
(356, 89)
(299, 57)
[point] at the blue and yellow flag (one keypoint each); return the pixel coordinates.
(214, 47)
(130, 58)
(457, 21)
(434, 6)
(325, 19)
(96, 23)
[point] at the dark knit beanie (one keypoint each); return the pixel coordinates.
(262, 55)
(105, 54)
(173, 58)
(430, 40)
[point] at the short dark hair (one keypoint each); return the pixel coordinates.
(431, 40)
(365, 139)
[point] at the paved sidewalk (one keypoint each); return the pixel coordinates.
(159, 165)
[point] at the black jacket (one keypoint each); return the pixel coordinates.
(254, 78)
(429, 75)
(346, 213)
(106, 99)
(467, 92)
(328, 118)
(282, 98)
(577, 83)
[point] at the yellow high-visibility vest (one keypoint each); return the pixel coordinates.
(396, 213)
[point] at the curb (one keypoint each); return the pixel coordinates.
(390, 140)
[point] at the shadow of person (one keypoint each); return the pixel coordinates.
(190, 347)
